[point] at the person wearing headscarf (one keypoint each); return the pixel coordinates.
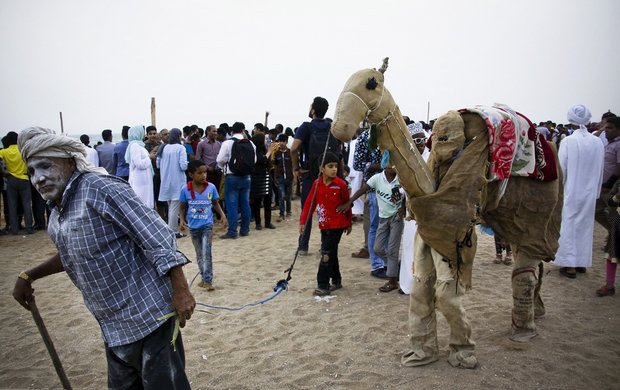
(120, 255)
(581, 158)
(172, 163)
(140, 168)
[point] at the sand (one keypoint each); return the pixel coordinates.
(353, 341)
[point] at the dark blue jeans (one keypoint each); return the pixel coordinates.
(329, 267)
(149, 363)
(237, 197)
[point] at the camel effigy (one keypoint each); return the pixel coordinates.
(487, 165)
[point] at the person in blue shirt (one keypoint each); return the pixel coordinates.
(120, 165)
(198, 200)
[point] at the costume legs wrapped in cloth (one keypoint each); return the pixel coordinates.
(487, 165)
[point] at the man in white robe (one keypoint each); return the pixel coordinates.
(581, 159)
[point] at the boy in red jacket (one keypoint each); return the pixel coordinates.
(327, 192)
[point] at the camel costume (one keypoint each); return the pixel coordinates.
(462, 186)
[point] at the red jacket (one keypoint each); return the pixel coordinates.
(328, 198)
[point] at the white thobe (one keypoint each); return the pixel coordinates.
(581, 159)
(141, 174)
(405, 277)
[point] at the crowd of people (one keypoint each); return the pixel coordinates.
(181, 181)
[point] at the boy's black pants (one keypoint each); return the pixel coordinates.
(328, 265)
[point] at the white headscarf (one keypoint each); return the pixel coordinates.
(42, 142)
(579, 115)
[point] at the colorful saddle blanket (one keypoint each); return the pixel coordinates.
(515, 146)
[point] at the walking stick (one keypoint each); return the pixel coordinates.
(50, 345)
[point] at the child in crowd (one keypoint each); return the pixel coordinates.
(391, 213)
(283, 175)
(500, 245)
(197, 201)
(327, 192)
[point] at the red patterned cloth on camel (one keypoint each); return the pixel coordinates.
(515, 146)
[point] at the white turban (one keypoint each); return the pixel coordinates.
(41, 142)
(579, 115)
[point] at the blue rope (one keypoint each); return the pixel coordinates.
(282, 285)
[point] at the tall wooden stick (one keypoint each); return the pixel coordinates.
(266, 118)
(153, 112)
(428, 111)
(62, 127)
(49, 344)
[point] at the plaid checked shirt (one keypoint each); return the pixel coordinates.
(118, 252)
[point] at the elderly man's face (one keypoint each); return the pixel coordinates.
(50, 176)
(164, 135)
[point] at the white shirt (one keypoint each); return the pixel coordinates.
(92, 156)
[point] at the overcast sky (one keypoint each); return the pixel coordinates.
(208, 62)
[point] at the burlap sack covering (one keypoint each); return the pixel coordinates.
(446, 217)
(528, 215)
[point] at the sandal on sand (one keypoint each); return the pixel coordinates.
(508, 259)
(498, 259)
(321, 292)
(335, 287)
(388, 287)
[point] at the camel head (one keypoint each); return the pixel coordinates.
(364, 96)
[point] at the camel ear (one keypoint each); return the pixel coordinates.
(372, 83)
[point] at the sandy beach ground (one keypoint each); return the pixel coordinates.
(354, 341)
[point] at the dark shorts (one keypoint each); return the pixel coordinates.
(149, 363)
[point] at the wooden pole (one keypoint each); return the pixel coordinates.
(428, 111)
(266, 118)
(49, 344)
(153, 114)
(62, 127)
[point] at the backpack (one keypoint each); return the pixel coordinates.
(242, 157)
(316, 147)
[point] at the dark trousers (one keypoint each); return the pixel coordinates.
(39, 209)
(265, 203)
(149, 363)
(306, 186)
(328, 265)
(18, 190)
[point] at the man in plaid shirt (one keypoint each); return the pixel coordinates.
(119, 254)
